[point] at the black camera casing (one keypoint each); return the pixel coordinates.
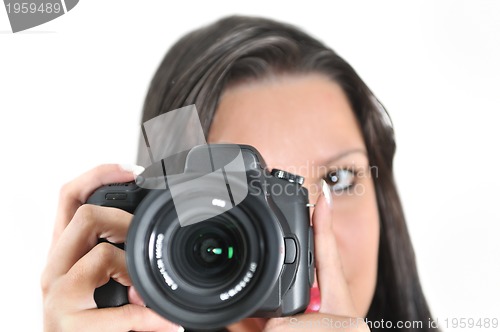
(285, 199)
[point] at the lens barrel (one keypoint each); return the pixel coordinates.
(208, 274)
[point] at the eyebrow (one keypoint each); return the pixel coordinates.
(344, 154)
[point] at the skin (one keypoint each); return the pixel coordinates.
(302, 124)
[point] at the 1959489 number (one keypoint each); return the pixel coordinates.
(31, 8)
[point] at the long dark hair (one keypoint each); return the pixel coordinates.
(200, 65)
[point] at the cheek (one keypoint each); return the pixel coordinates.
(356, 225)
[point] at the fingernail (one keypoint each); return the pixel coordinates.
(327, 193)
(181, 329)
(135, 169)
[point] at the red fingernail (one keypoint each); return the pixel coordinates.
(315, 301)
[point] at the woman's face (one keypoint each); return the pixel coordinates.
(304, 124)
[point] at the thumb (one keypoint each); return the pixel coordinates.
(134, 297)
(334, 291)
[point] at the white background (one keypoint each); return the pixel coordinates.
(71, 93)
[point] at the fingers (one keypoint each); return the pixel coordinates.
(76, 265)
(93, 270)
(335, 296)
(134, 297)
(89, 223)
(129, 317)
(76, 192)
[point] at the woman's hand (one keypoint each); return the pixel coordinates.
(77, 264)
(337, 311)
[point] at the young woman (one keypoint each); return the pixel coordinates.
(270, 85)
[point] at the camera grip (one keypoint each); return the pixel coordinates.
(123, 196)
(111, 294)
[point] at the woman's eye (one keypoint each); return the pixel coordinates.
(341, 180)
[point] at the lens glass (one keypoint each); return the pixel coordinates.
(210, 253)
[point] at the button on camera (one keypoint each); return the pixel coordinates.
(116, 196)
(287, 176)
(290, 251)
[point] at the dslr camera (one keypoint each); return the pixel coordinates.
(217, 242)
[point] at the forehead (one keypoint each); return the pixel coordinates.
(306, 116)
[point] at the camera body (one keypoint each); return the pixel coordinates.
(205, 259)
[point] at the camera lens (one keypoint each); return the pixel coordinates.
(206, 274)
(209, 254)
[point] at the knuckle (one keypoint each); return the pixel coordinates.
(88, 216)
(105, 252)
(65, 189)
(134, 316)
(45, 283)
(137, 316)
(103, 168)
(128, 311)
(85, 215)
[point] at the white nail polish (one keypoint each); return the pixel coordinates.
(181, 329)
(135, 169)
(327, 193)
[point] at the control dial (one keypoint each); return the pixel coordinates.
(287, 176)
